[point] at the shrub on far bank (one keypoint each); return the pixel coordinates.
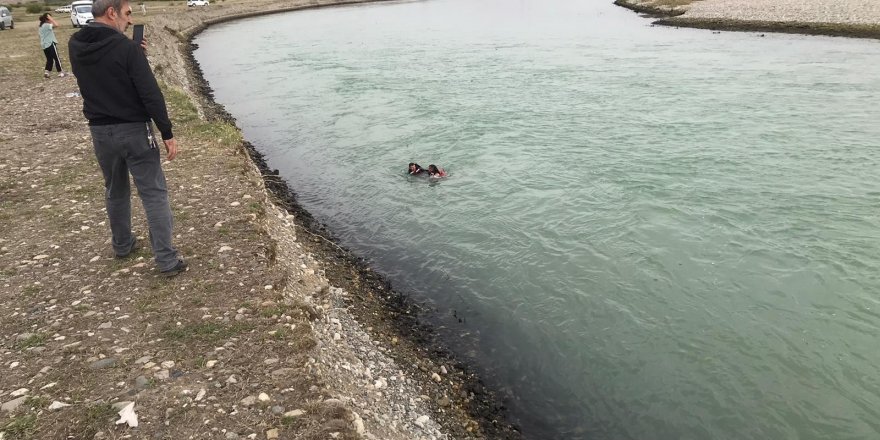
(35, 8)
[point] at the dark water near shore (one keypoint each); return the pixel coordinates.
(648, 233)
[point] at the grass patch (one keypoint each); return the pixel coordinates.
(221, 132)
(279, 335)
(195, 302)
(205, 332)
(185, 115)
(96, 418)
(256, 208)
(180, 107)
(291, 422)
(35, 340)
(20, 427)
(8, 272)
(150, 301)
(293, 310)
(37, 402)
(200, 362)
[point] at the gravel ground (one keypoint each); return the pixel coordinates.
(809, 11)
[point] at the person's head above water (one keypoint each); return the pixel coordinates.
(435, 171)
(415, 168)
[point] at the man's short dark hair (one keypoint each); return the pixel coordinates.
(100, 7)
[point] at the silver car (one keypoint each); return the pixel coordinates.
(6, 18)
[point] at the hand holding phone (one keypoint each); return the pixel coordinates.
(138, 34)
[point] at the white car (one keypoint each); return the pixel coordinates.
(6, 18)
(197, 3)
(64, 9)
(81, 13)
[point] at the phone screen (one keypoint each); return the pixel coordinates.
(138, 33)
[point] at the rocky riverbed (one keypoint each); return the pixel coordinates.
(805, 11)
(849, 18)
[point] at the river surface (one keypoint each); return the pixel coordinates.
(646, 233)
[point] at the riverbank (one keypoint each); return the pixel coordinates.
(274, 332)
(850, 18)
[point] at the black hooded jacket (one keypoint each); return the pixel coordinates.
(115, 79)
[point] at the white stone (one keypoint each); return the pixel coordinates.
(56, 405)
(225, 249)
(294, 413)
(211, 363)
(12, 404)
(168, 364)
(421, 421)
(264, 397)
(19, 392)
(201, 394)
(359, 424)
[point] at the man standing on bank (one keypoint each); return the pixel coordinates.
(120, 97)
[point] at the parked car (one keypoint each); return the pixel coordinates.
(197, 3)
(6, 18)
(64, 9)
(81, 13)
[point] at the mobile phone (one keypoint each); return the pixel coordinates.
(138, 34)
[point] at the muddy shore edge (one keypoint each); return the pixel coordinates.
(377, 305)
(677, 17)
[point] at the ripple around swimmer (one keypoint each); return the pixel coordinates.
(646, 233)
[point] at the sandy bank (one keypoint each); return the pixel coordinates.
(846, 18)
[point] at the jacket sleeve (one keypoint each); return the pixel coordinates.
(148, 90)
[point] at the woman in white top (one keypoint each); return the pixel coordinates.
(49, 44)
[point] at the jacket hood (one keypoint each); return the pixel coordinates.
(93, 42)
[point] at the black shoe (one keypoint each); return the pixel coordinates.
(134, 247)
(178, 268)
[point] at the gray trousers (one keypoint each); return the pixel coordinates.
(129, 147)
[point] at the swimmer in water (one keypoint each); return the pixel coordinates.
(435, 171)
(415, 169)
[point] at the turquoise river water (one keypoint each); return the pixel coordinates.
(647, 233)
